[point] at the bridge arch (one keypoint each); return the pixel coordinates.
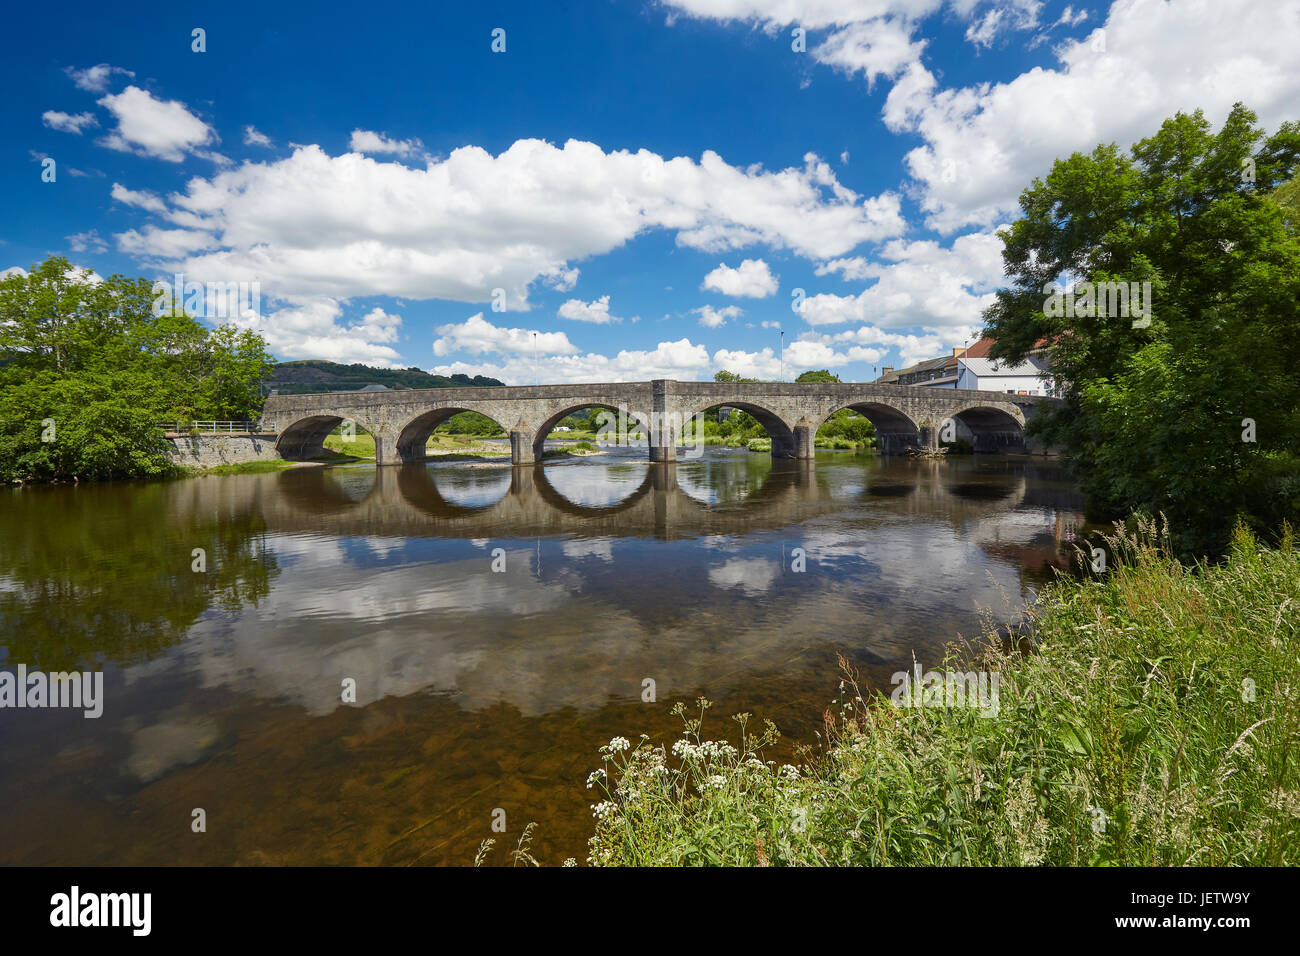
(991, 426)
(413, 439)
(304, 438)
(778, 429)
(638, 422)
(896, 431)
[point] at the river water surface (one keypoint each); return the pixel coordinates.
(499, 624)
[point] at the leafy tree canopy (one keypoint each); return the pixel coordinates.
(821, 375)
(1193, 409)
(87, 371)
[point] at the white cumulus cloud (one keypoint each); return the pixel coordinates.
(476, 335)
(68, 122)
(596, 311)
(253, 137)
(712, 318)
(88, 241)
(148, 126)
(312, 327)
(983, 144)
(752, 279)
(918, 283)
(682, 359)
(368, 141)
(350, 225)
(141, 198)
(96, 78)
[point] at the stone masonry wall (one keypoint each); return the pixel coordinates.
(206, 451)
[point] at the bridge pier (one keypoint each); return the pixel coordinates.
(661, 435)
(386, 450)
(663, 453)
(929, 437)
(522, 447)
(805, 440)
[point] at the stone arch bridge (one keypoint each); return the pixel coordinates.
(904, 416)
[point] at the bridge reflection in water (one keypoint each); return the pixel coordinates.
(618, 569)
(628, 567)
(474, 689)
(422, 500)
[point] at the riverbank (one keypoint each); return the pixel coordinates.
(764, 443)
(243, 468)
(1155, 722)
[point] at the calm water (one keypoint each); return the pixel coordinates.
(476, 689)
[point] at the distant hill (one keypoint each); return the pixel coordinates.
(313, 375)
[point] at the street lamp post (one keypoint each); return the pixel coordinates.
(782, 355)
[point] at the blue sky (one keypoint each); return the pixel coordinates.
(648, 187)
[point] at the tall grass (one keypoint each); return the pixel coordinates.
(1155, 721)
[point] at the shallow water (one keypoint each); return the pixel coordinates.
(477, 690)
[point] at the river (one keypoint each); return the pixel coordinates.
(497, 624)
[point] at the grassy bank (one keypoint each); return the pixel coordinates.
(1156, 722)
(242, 468)
(580, 449)
(363, 446)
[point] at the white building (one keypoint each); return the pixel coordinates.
(996, 375)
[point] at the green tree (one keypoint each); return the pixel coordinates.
(235, 364)
(821, 375)
(87, 370)
(472, 423)
(1287, 198)
(849, 425)
(1159, 416)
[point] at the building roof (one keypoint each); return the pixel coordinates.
(929, 365)
(926, 366)
(985, 366)
(980, 349)
(978, 352)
